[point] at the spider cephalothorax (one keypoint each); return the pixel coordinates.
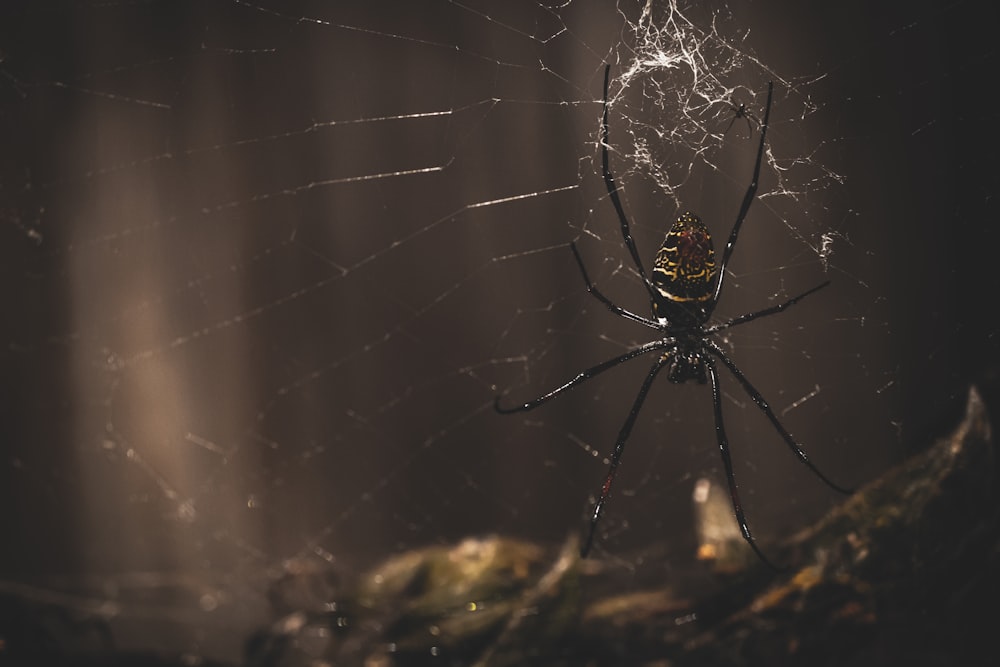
(684, 364)
(683, 289)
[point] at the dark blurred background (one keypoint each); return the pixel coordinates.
(265, 266)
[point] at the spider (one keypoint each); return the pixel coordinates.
(741, 111)
(683, 291)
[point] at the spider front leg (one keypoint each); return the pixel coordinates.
(616, 456)
(759, 401)
(727, 462)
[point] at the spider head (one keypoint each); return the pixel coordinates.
(684, 365)
(684, 272)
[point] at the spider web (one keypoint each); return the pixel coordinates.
(267, 265)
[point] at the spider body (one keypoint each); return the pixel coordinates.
(684, 273)
(683, 289)
(741, 111)
(684, 362)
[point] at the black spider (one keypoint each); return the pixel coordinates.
(683, 291)
(741, 111)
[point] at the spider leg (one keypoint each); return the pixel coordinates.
(609, 181)
(583, 376)
(749, 317)
(727, 462)
(766, 409)
(617, 310)
(616, 456)
(747, 200)
(732, 120)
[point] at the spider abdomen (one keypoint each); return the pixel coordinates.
(684, 271)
